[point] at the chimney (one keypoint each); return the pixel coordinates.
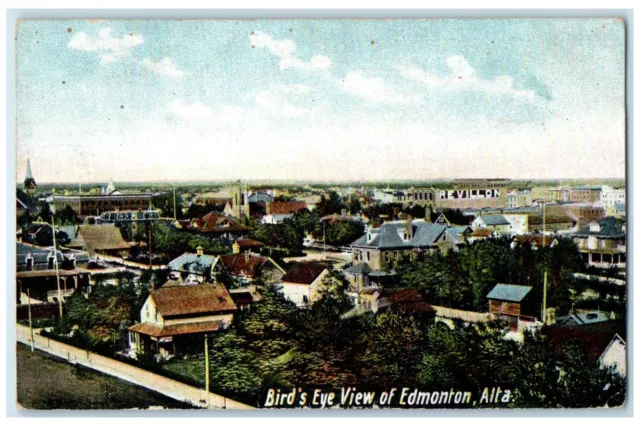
(200, 250)
(72, 259)
(427, 214)
(236, 248)
(246, 256)
(409, 227)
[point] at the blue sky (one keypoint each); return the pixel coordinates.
(320, 100)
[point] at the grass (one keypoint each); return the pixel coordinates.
(45, 382)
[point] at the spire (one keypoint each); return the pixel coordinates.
(29, 182)
(29, 174)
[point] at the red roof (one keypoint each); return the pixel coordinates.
(303, 273)
(481, 232)
(217, 222)
(246, 264)
(192, 299)
(592, 338)
(156, 330)
(406, 300)
(248, 242)
(285, 207)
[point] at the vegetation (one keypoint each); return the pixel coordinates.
(463, 279)
(172, 242)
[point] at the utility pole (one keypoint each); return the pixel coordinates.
(55, 262)
(150, 255)
(206, 367)
(175, 212)
(30, 322)
(544, 284)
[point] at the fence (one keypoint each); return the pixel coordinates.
(130, 373)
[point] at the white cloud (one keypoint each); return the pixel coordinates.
(279, 99)
(463, 76)
(109, 48)
(203, 116)
(371, 89)
(284, 50)
(166, 67)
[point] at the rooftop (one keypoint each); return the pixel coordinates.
(303, 273)
(509, 292)
(192, 299)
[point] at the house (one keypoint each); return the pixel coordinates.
(172, 314)
(580, 319)
(246, 244)
(219, 226)
(401, 300)
(496, 222)
(242, 269)
(516, 199)
(301, 283)
(482, 234)
(41, 286)
(603, 243)
(101, 240)
(535, 241)
(552, 218)
(511, 303)
(361, 276)
(603, 342)
(395, 240)
(192, 268)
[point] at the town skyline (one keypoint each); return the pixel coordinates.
(321, 100)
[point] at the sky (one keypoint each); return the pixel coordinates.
(339, 100)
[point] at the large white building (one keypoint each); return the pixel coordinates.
(609, 196)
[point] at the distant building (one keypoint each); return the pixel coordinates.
(219, 226)
(503, 224)
(285, 207)
(517, 199)
(379, 247)
(101, 240)
(260, 197)
(110, 200)
(603, 243)
(172, 314)
(29, 182)
(301, 283)
(585, 194)
(613, 200)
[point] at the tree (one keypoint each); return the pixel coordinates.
(280, 235)
(330, 204)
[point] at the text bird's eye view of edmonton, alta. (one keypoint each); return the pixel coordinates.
(320, 214)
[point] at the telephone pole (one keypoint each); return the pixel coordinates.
(30, 322)
(55, 262)
(175, 212)
(544, 283)
(206, 367)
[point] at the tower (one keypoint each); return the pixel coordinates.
(29, 182)
(239, 201)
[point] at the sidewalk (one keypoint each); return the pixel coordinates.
(138, 376)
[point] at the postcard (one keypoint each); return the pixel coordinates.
(320, 214)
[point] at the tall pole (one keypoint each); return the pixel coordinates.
(79, 199)
(544, 283)
(30, 322)
(206, 367)
(55, 262)
(175, 212)
(150, 255)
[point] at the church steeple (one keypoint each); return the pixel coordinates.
(29, 182)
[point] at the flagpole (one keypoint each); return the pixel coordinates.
(55, 262)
